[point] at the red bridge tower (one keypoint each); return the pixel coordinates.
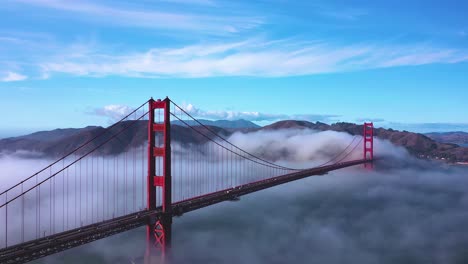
(159, 230)
(368, 143)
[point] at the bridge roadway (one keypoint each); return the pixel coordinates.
(45, 246)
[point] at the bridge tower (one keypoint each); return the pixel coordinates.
(159, 230)
(368, 143)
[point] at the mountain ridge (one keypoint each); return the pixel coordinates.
(417, 144)
(60, 141)
(455, 137)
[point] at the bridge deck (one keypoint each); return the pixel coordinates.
(42, 247)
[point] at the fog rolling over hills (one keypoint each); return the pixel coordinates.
(60, 141)
(406, 210)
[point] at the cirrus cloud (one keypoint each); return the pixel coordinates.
(251, 57)
(137, 15)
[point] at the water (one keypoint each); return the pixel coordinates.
(388, 216)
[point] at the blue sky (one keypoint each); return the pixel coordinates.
(78, 63)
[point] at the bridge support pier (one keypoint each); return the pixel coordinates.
(159, 236)
(368, 144)
(159, 231)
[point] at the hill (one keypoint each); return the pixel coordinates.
(60, 141)
(417, 144)
(136, 135)
(459, 138)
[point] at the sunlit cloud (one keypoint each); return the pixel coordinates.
(114, 112)
(117, 111)
(252, 57)
(12, 77)
(252, 115)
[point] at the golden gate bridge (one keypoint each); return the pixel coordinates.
(92, 192)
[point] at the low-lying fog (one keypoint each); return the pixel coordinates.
(404, 211)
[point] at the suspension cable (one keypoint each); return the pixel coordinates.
(339, 154)
(69, 165)
(240, 155)
(76, 149)
(223, 139)
(349, 152)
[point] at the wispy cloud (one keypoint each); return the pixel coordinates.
(10, 39)
(375, 120)
(192, 2)
(152, 17)
(343, 14)
(252, 115)
(252, 57)
(114, 112)
(12, 77)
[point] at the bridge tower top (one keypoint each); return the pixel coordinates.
(368, 142)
